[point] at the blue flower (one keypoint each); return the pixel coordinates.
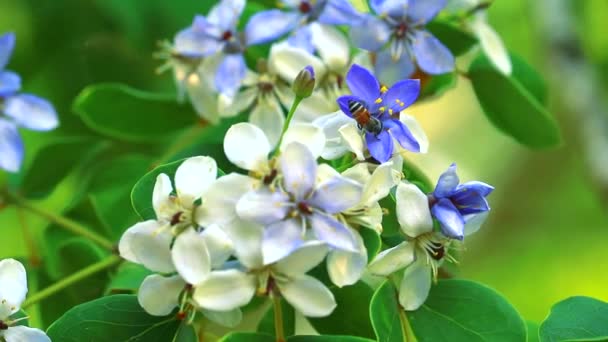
(456, 205)
(18, 110)
(378, 109)
(397, 32)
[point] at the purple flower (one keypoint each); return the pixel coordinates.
(397, 32)
(456, 205)
(18, 110)
(376, 110)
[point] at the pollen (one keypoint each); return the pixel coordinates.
(378, 100)
(382, 109)
(383, 89)
(390, 111)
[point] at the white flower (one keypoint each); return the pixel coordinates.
(13, 288)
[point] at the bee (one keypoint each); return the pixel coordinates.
(364, 118)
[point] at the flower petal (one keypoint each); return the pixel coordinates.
(10, 83)
(11, 147)
(334, 144)
(148, 243)
(336, 195)
(303, 259)
(268, 115)
(469, 202)
(299, 169)
(269, 25)
(334, 233)
(389, 70)
(202, 95)
(287, 61)
(422, 11)
(225, 290)
(380, 146)
(191, 257)
(281, 239)
(159, 295)
(232, 106)
(352, 137)
(492, 45)
(31, 112)
(415, 285)
(340, 12)
(230, 73)
(452, 222)
(301, 38)
(229, 319)
(372, 34)
(193, 177)
(331, 45)
(22, 333)
(160, 195)
(363, 84)
(247, 147)
(219, 206)
(413, 211)
(393, 8)
(247, 240)
(417, 132)
(346, 268)
(263, 206)
(226, 14)
(402, 95)
(13, 287)
(431, 55)
(393, 259)
(189, 42)
(308, 295)
(479, 187)
(447, 183)
(380, 183)
(7, 44)
(307, 134)
(474, 222)
(402, 134)
(218, 244)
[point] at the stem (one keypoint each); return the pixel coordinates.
(30, 243)
(278, 318)
(74, 278)
(408, 334)
(292, 110)
(61, 221)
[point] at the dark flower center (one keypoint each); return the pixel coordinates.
(270, 177)
(305, 7)
(438, 251)
(265, 87)
(226, 35)
(401, 30)
(3, 326)
(304, 208)
(176, 218)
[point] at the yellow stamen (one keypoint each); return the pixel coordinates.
(382, 109)
(378, 100)
(383, 89)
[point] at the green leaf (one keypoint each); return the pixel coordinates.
(185, 333)
(350, 317)
(461, 310)
(328, 339)
(110, 319)
(266, 325)
(415, 175)
(124, 113)
(529, 78)
(247, 337)
(434, 86)
(384, 313)
(128, 278)
(372, 242)
(455, 39)
(576, 319)
(532, 331)
(512, 103)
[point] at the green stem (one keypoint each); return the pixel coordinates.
(292, 110)
(28, 239)
(408, 334)
(61, 221)
(72, 279)
(278, 318)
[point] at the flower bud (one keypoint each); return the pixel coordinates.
(304, 83)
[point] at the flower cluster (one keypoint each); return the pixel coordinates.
(18, 110)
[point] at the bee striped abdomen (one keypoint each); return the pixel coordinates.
(359, 112)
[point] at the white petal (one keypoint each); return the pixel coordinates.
(392, 259)
(193, 177)
(287, 61)
(307, 134)
(263, 206)
(299, 168)
(309, 296)
(492, 45)
(160, 194)
(310, 108)
(302, 260)
(415, 285)
(219, 205)
(229, 319)
(203, 97)
(247, 239)
(359, 173)
(346, 268)
(159, 295)
(247, 147)
(413, 210)
(380, 183)
(225, 290)
(13, 287)
(281, 239)
(25, 334)
(268, 115)
(191, 257)
(331, 45)
(416, 131)
(231, 106)
(353, 138)
(148, 243)
(330, 123)
(474, 222)
(218, 244)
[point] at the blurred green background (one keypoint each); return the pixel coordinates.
(546, 238)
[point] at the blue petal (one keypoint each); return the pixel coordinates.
(479, 187)
(31, 112)
(422, 11)
(447, 183)
(470, 202)
(302, 38)
(299, 169)
(11, 147)
(281, 239)
(189, 43)
(226, 14)
(371, 34)
(402, 134)
(336, 195)
(390, 71)
(401, 95)
(340, 12)
(334, 233)
(10, 83)
(381, 146)
(452, 223)
(269, 25)
(230, 74)
(202, 26)
(431, 55)
(363, 84)
(393, 8)
(343, 103)
(7, 44)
